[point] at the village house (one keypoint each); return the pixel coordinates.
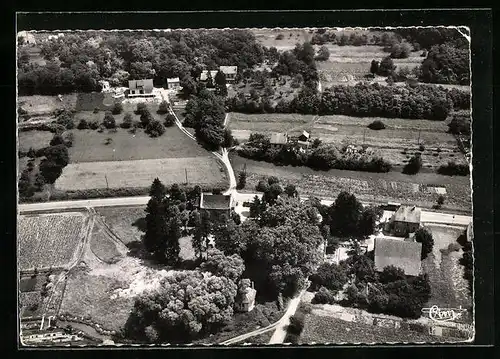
(245, 301)
(230, 72)
(399, 253)
(406, 220)
(205, 75)
(304, 140)
(278, 139)
(217, 205)
(140, 88)
(173, 83)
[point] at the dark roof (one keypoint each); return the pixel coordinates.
(204, 75)
(146, 85)
(305, 134)
(279, 138)
(215, 201)
(409, 214)
(401, 254)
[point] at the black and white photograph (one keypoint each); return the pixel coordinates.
(236, 186)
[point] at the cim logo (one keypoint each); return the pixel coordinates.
(444, 315)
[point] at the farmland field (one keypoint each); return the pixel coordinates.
(369, 187)
(448, 287)
(89, 146)
(48, 240)
(33, 139)
(203, 171)
(267, 37)
(326, 330)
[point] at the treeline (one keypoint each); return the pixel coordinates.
(76, 62)
(323, 157)
(411, 102)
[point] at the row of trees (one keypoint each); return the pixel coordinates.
(78, 61)
(320, 156)
(411, 102)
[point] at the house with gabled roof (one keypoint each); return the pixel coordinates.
(406, 220)
(205, 74)
(140, 88)
(230, 72)
(216, 204)
(173, 83)
(399, 253)
(279, 139)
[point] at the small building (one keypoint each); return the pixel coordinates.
(245, 300)
(278, 139)
(216, 204)
(173, 83)
(406, 220)
(204, 75)
(402, 254)
(140, 88)
(230, 72)
(28, 38)
(304, 136)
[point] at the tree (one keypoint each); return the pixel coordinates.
(117, 108)
(109, 121)
(391, 274)
(422, 235)
(386, 66)
(220, 84)
(155, 128)
(82, 125)
(440, 200)
(221, 265)
(374, 67)
(368, 220)
(272, 194)
(414, 165)
(146, 117)
(345, 214)
(141, 108)
(331, 276)
(56, 140)
(157, 190)
(262, 186)
(256, 207)
(459, 125)
(186, 305)
(323, 296)
(155, 227)
(376, 125)
(323, 54)
(242, 179)
(163, 107)
(273, 180)
(169, 120)
(127, 121)
(195, 220)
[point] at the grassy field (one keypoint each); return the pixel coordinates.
(203, 171)
(267, 37)
(41, 105)
(448, 287)
(328, 330)
(103, 246)
(89, 146)
(33, 139)
(125, 222)
(369, 187)
(48, 240)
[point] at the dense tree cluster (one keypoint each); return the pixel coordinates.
(324, 156)
(330, 276)
(424, 236)
(460, 125)
(467, 260)
(185, 306)
(454, 169)
(205, 113)
(428, 37)
(78, 61)
(217, 263)
(446, 64)
(298, 61)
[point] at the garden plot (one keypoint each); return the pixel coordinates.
(49, 240)
(448, 287)
(33, 139)
(203, 171)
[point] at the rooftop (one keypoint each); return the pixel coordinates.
(279, 138)
(215, 201)
(141, 84)
(402, 254)
(204, 75)
(229, 70)
(173, 79)
(305, 133)
(409, 214)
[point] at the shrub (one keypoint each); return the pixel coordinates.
(279, 37)
(141, 107)
(323, 296)
(376, 125)
(56, 140)
(82, 125)
(272, 180)
(127, 121)
(421, 148)
(93, 125)
(440, 200)
(422, 235)
(169, 120)
(262, 186)
(163, 108)
(296, 323)
(117, 108)
(146, 118)
(97, 109)
(454, 169)
(413, 166)
(109, 121)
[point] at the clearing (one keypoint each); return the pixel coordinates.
(203, 171)
(125, 222)
(368, 187)
(90, 146)
(43, 105)
(33, 139)
(49, 240)
(448, 287)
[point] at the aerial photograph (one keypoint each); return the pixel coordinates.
(260, 186)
